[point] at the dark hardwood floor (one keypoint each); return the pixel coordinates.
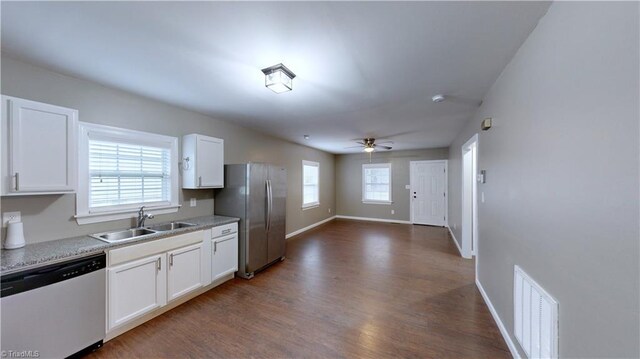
(347, 289)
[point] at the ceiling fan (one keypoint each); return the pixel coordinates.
(369, 145)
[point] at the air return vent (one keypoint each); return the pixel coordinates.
(535, 317)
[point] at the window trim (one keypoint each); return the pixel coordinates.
(377, 165)
(316, 204)
(86, 130)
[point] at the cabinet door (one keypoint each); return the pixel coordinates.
(210, 162)
(225, 256)
(41, 154)
(185, 270)
(136, 288)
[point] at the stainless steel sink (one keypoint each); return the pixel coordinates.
(171, 226)
(126, 234)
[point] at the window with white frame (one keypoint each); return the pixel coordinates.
(376, 183)
(121, 170)
(310, 184)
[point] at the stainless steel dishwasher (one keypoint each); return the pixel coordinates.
(54, 311)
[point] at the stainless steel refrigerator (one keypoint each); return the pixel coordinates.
(257, 194)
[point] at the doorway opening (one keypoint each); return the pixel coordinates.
(470, 197)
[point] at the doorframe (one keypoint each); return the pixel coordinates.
(469, 243)
(446, 189)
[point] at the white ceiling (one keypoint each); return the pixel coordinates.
(363, 68)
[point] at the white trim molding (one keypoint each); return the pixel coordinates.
(453, 237)
(301, 230)
(373, 219)
(496, 317)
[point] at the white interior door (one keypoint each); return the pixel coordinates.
(428, 192)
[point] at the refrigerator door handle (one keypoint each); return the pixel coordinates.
(269, 204)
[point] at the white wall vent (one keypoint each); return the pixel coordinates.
(535, 317)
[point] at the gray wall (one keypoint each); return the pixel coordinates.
(562, 176)
(349, 182)
(50, 217)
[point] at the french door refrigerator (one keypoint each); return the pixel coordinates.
(257, 194)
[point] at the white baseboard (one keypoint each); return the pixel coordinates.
(373, 219)
(295, 233)
(503, 329)
(455, 241)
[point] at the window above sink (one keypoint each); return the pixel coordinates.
(120, 170)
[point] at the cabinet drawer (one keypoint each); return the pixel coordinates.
(121, 255)
(224, 230)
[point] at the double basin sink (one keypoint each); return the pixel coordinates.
(136, 233)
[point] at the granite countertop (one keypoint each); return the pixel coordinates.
(39, 254)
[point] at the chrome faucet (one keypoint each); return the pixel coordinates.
(143, 217)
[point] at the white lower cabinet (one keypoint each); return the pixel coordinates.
(224, 258)
(184, 271)
(136, 288)
(149, 277)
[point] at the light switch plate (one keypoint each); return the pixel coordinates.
(393, 211)
(10, 217)
(192, 202)
(407, 186)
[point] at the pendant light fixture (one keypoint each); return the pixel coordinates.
(278, 78)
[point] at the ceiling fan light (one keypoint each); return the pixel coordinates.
(369, 149)
(278, 78)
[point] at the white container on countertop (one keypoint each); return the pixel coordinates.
(15, 236)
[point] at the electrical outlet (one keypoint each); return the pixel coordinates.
(10, 217)
(329, 210)
(192, 202)
(482, 197)
(407, 186)
(393, 211)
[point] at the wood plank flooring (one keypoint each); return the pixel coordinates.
(348, 289)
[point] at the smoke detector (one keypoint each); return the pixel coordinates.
(437, 98)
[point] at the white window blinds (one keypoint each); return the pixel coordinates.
(310, 184)
(120, 170)
(124, 174)
(376, 183)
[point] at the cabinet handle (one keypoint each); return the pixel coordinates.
(200, 181)
(171, 260)
(226, 231)
(159, 263)
(215, 246)
(17, 181)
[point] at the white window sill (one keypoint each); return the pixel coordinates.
(378, 202)
(98, 217)
(310, 206)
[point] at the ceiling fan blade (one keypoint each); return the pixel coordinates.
(359, 146)
(385, 147)
(391, 142)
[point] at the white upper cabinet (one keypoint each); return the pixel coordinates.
(202, 162)
(38, 147)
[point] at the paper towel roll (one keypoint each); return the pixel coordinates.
(15, 236)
